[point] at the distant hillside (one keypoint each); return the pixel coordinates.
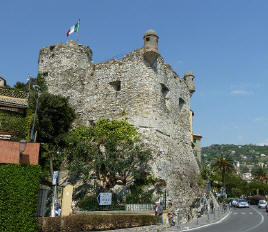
(245, 154)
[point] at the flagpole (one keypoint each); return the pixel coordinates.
(77, 36)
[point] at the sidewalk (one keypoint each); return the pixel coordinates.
(204, 221)
(217, 216)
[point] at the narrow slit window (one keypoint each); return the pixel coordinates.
(116, 85)
(164, 90)
(181, 104)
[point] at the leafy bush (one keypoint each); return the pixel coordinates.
(108, 152)
(255, 199)
(77, 223)
(19, 187)
(91, 204)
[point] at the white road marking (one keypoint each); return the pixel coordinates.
(262, 220)
(235, 213)
(243, 213)
(250, 213)
(196, 228)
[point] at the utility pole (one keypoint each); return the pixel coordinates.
(36, 88)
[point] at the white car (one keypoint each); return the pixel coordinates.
(242, 203)
(262, 204)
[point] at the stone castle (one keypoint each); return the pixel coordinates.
(141, 86)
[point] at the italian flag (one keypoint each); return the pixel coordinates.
(73, 28)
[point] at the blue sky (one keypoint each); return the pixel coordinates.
(223, 42)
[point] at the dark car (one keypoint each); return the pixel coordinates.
(267, 208)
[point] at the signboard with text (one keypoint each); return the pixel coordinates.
(105, 198)
(55, 177)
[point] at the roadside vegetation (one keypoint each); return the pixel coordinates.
(221, 172)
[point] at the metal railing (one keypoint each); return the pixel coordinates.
(139, 207)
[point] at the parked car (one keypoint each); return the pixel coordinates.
(262, 204)
(242, 203)
(267, 208)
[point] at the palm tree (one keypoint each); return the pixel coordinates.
(224, 164)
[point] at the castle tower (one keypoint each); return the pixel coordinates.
(64, 56)
(150, 46)
(143, 88)
(189, 80)
(64, 67)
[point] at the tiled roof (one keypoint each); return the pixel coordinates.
(13, 98)
(13, 102)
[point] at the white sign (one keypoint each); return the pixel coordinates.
(105, 198)
(55, 177)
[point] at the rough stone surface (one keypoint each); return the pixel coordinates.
(153, 98)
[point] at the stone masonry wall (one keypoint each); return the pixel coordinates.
(153, 97)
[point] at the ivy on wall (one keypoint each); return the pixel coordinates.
(12, 122)
(19, 187)
(28, 123)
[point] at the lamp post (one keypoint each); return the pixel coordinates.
(36, 88)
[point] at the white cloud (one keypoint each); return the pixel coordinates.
(265, 142)
(260, 119)
(240, 92)
(179, 61)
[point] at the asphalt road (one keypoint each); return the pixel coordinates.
(241, 220)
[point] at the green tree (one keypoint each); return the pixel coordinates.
(21, 86)
(235, 185)
(55, 117)
(259, 174)
(224, 164)
(207, 172)
(109, 152)
(40, 81)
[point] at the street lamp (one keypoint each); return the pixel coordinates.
(36, 88)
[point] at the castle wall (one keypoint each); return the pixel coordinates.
(152, 97)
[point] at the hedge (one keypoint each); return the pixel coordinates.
(90, 222)
(19, 187)
(91, 204)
